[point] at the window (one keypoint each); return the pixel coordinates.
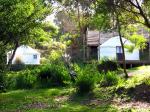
(118, 49)
(119, 53)
(35, 56)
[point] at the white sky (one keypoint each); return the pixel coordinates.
(51, 17)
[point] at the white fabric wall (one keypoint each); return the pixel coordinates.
(108, 49)
(28, 59)
(110, 52)
(26, 54)
(132, 56)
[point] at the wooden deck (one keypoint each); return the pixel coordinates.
(138, 62)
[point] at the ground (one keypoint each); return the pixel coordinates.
(65, 99)
(58, 99)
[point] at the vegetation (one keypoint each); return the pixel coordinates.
(114, 96)
(86, 79)
(62, 83)
(39, 77)
(106, 65)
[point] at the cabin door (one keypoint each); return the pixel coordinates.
(119, 53)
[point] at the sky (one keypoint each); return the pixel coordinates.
(51, 17)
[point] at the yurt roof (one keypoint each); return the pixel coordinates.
(115, 41)
(24, 49)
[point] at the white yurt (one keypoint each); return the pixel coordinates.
(112, 49)
(25, 55)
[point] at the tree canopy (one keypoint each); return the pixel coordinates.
(18, 20)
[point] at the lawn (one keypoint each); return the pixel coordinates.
(65, 99)
(56, 99)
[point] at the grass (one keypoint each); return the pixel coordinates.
(50, 100)
(65, 99)
(60, 100)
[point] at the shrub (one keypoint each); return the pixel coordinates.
(25, 80)
(147, 81)
(17, 67)
(86, 79)
(107, 65)
(2, 81)
(85, 84)
(11, 80)
(109, 79)
(38, 76)
(53, 75)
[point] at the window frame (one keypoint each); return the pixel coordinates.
(119, 49)
(35, 56)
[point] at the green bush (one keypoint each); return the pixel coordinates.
(25, 80)
(85, 84)
(2, 81)
(86, 79)
(40, 76)
(11, 80)
(53, 75)
(107, 65)
(147, 81)
(109, 79)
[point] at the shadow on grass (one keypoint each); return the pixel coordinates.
(57, 100)
(138, 93)
(98, 100)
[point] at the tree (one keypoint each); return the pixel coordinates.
(79, 11)
(18, 19)
(138, 8)
(137, 11)
(121, 13)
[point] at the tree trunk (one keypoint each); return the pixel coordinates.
(123, 51)
(12, 56)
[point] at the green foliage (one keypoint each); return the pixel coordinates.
(45, 33)
(147, 81)
(53, 75)
(25, 80)
(86, 79)
(130, 48)
(35, 77)
(2, 64)
(100, 22)
(20, 20)
(85, 84)
(21, 80)
(139, 40)
(2, 81)
(20, 17)
(107, 65)
(132, 32)
(109, 79)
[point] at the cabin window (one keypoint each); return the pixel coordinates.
(118, 49)
(35, 56)
(119, 53)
